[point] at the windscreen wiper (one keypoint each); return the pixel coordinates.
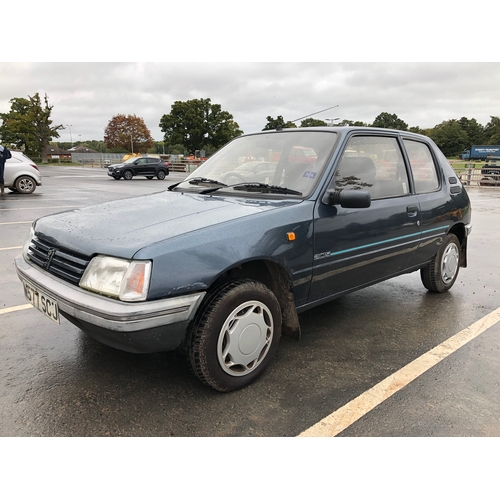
(259, 187)
(255, 187)
(198, 180)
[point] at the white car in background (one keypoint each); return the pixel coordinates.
(21, 174)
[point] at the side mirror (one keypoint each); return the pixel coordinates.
(347, 198)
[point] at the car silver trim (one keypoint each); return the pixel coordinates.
(109, 313)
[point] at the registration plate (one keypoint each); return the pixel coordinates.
(41, 301)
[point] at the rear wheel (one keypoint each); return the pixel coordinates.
(441, 273)
(235, 335)
(127, 175)
(25, 185)
(161, 175)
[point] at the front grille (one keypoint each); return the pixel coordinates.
(60, 262)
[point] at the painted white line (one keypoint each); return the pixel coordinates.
(15, 308)
(10, 248)
(18, 222)
(339, 420)
(37, 208)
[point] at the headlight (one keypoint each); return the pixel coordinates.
(127, 280)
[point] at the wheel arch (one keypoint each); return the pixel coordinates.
(460, 232)
(276, 278)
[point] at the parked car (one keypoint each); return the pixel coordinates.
(491, 171)
(147, 166)
(260, 171)
(224, 269)
(21, 174)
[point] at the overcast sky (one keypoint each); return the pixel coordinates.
(87, 95)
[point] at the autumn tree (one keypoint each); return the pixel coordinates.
(128, 132)
(198, 124)
(386, 120)
(28, 126)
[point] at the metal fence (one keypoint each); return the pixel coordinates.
(479, 175)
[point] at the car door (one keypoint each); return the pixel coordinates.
(435, 207)
(140, 166)
(354, 247)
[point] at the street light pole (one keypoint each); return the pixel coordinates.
(132, 143)
(70, 136)
(331, 120)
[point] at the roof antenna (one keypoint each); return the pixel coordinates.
(307, 116)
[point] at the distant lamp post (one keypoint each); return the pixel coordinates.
(331, 120)
(132, 143)
(70, 136)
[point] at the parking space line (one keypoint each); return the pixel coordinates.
(10, 248)
(342, 418)
(15, 308)
(17, 222)
(38, 208)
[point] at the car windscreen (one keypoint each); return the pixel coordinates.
(293, 160)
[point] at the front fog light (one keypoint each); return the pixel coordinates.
(127, 280)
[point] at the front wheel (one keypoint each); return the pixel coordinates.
(235, 335)
(127, 175)
(441, 273)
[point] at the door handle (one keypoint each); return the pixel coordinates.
(412, 210)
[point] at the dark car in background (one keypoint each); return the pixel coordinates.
(147, 166)
(222, 265)
(491, 171)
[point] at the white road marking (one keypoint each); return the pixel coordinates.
(39, 208)
(10, 248)
(18, 222)
(342, 418)
(15, 308)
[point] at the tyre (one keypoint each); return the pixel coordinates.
(161, 175)
(127, 175)
(25, 185)
(440, 274)
(235, 335)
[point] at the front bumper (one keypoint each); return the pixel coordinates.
(153, 326)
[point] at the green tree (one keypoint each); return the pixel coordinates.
(386, 120)
(350, 123)
(450, 137)
(312, 122)
(28, 126)
(473, 129)
(198, 124)
(129, 132)
(492, 131)
(274, 123)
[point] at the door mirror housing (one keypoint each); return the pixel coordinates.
(347, 198)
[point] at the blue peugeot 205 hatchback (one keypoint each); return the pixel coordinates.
(273, 224)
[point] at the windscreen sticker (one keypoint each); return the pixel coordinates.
(309, 174)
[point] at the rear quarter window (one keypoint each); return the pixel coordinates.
(422, 166)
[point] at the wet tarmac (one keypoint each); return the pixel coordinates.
(56, 381)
